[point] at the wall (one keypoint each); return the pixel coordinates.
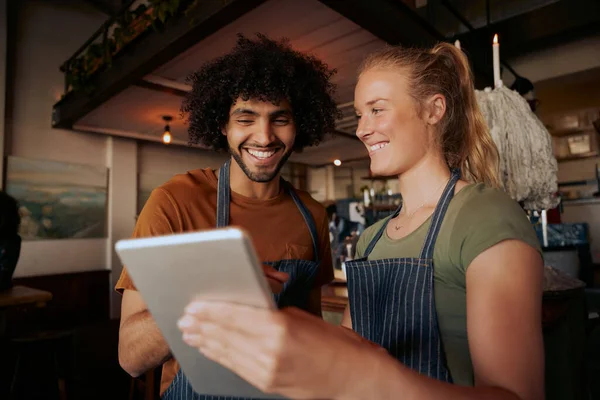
(559, 93)
(3, 34)
(46, 36)
(154, 158)
(334, 183)
(121, 156)
(576, 56)
(590, 213)
(317, 183)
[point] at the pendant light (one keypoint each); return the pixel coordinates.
(166, 137)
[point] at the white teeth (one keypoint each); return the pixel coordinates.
(261, 154)
(378, 146)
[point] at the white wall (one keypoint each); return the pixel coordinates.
(159, 159)
(316, 181)
(121, 210)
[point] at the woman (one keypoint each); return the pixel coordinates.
(450, 286)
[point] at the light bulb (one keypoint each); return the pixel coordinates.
(337, 163)
(166, 137)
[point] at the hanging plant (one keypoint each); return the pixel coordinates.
(130, 25)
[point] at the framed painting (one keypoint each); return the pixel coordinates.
(58, 200)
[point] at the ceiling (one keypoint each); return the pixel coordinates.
(311, 27)
(135, 108)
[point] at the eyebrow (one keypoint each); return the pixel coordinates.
(247, 111)
(239, 111)
(371, 102)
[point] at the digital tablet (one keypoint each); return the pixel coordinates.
(171, 271)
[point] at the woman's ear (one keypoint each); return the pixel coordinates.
(224, 130)
(436, 108)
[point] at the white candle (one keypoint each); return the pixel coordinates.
(496, 50)
(545, 228)
(457, 44)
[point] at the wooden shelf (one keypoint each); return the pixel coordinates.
(583, 156)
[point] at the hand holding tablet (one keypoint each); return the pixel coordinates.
(215, 265)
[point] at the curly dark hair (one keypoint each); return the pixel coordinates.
(266, 70)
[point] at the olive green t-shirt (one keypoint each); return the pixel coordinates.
(477, 218)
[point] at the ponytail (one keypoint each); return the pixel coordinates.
(464, 136)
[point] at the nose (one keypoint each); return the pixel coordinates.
(364, 130)
(264, 134)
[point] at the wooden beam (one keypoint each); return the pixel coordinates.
(557, 22)
(391, 20)
(544, 27)
(398, 24)
(148, 52)
(160, 88)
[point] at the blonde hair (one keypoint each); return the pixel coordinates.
(463, 133)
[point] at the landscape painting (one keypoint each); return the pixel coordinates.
(58, 200)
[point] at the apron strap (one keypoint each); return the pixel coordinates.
(308, 218)
(223, 196)
(224, 199)
(438, 216)
(377, 236)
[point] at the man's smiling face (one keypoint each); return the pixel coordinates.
(260, 136)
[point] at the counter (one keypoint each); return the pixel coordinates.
(334, 296)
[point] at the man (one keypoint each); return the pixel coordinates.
(260, 102)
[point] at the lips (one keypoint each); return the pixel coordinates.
(376, 147)
(262, 156)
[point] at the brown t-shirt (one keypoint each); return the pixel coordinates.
(188, 202)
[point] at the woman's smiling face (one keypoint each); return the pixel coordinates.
(389, 122)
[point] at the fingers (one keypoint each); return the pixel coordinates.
(272, 273)
(230, 348)
(250, 321)
(275, 285)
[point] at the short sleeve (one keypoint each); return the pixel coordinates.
(325, 274)
(361, 245)
(487, 218)
(158, 217)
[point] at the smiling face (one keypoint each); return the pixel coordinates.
(396, 137)
(260, 136)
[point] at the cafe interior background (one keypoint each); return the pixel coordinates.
(90, 92)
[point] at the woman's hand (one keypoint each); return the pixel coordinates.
(275, 278)
(288, 352)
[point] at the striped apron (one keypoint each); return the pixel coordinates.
(296, 290)
(392, 300)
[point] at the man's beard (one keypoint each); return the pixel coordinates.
(261, 177)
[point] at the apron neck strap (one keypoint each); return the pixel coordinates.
(223, 196)
(436, 219)
(308, 218)
(380, 232)
(224, 200)
(438, 216)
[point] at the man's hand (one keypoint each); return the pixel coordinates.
(275, 278)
